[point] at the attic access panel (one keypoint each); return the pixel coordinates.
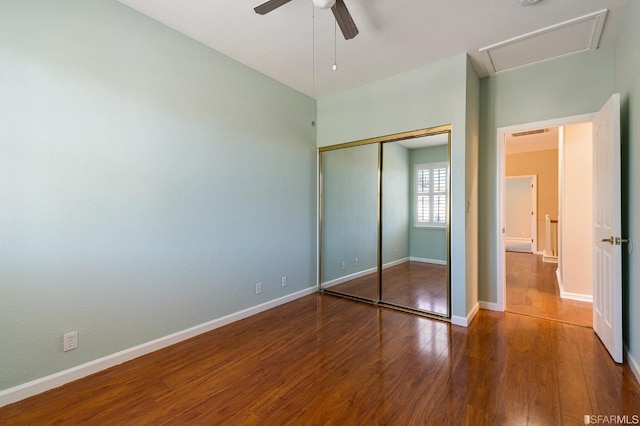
(577, 35)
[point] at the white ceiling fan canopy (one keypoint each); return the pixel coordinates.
(324, 4)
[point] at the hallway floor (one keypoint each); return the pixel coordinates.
(532, 289)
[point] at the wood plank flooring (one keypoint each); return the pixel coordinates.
(532, 289)
(324, 360)
(415, 285)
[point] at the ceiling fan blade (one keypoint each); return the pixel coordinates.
(268, 6)
(344, 19)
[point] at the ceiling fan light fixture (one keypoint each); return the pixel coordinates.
(324, 4)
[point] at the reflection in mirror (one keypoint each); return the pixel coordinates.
(349, 221)
(415, 191)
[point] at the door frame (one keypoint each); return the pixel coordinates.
(501, 274)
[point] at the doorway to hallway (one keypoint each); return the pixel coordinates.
(605, 271)
(548, 170)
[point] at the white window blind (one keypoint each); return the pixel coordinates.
(431, 194)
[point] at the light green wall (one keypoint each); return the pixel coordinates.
(427, 243)
(349, 211)
(147, 184)
(627, 79)
(395, 202)
(472, 129)
(575, 85)
(425, 97)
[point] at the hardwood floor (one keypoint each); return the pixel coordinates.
(415, 285)
(324, 360)
(532, 289)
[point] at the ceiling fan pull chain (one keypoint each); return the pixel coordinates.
(313, 66)
(335, 44)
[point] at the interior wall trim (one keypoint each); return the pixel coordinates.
(465, 321)
(395, 262)
(35, 387)
(391, 138)
(572, 296)
(349, 277)
(489, 306)
(575, 296)
(426, 260)
(344, 279)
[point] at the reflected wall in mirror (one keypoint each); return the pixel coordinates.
(415, 199)
(349, 221)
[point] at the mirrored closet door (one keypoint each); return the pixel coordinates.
(384, 220)
(415, 203)
(349, 221)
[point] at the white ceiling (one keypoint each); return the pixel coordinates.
(395, 35)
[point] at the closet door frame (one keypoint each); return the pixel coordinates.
(380, 142)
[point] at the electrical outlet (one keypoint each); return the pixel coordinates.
(70, 341)
(283, 281)
(356, 261)
(344, 265)
(258, 288)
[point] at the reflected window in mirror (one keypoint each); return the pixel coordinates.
(431, 194)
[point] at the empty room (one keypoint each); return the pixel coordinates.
(296, 212)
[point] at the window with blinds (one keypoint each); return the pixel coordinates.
(431, 194)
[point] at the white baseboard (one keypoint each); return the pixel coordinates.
(549, 259)
(559, 280)
(425, 260)
(633, 363)
(349, 277)
(35, 387)
(353, 276)
(572, 296)
(395, 263)
(489, 306)
(465, 321)
(576, 296)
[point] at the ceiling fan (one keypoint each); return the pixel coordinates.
(339, 9)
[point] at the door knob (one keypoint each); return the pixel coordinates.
(608, 240)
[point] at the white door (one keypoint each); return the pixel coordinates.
(607, 291)
(520, 200)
